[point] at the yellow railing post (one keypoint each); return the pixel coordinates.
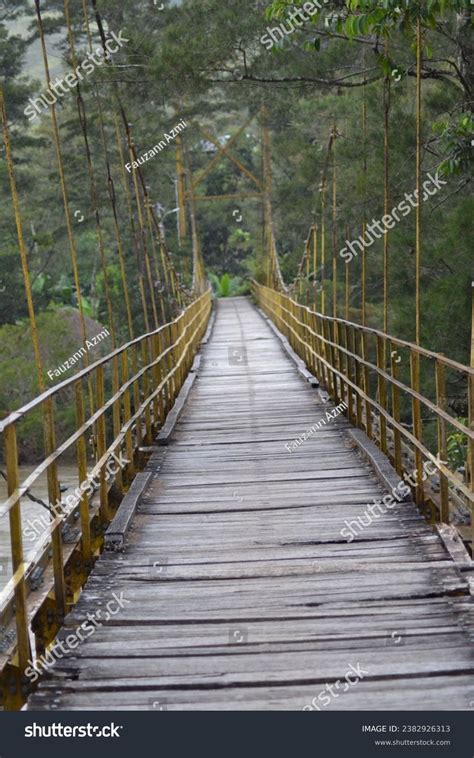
(350, 373)
(382, 392)
(396, 415)
(146, 390)
(416, 423)
(442, 441)
(358, 377)
(127, 414)
(367, 389)
(352, 359)
(18, 569)
(86, 546)
(102, 445)
(136, 393)
(116, 415)
(165, 357)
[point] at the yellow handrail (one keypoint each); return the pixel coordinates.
(129, 411)
(339, 352)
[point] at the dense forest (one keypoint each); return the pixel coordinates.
(337, 73)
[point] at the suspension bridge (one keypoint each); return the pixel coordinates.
(272, 528)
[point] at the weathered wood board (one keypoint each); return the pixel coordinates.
(239, 590)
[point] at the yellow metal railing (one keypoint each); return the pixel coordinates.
(379, 377)
(120, 401)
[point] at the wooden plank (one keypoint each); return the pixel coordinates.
(167, 430)
(116, 532)
(382, 466)
(241, 589)
(312, 380)
(427, 694)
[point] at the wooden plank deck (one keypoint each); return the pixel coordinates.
(240, 591)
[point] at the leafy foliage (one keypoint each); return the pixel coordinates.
(204, 60)
(227, 286)
(457, 447)
(59, 335)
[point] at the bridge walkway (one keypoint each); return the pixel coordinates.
(239, 590)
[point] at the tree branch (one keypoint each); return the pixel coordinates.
(300, 79)
(460, 187)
